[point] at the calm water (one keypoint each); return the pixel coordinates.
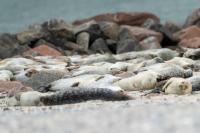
(15, 15)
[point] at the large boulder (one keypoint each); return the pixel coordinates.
(9, 46)
(193, 18)
(121, 18)
(141, 33)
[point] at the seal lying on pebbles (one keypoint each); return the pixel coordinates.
(166, 71)
(177, 86)
(182, 62)
(88, 80)
(36, 79)
(143, 81)
(67, 96)
(192, 54)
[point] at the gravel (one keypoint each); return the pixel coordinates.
(159, 113)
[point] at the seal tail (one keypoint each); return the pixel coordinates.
(75, 95)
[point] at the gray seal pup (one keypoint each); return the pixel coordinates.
(185, 63)
(67, 96)
(177, 86)
(143, 81)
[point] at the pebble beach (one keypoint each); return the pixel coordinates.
(111, 72)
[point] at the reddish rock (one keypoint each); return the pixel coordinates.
(43, 50)
(141, 33)
(193, 18)
(12, 87)
(121, 18)
(191, 43)
(188, 33)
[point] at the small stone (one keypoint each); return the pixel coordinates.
(83, 40)
(43, 50)
(150, 43)
(100, 46)
(5, 75)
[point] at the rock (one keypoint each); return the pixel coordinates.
(190, 43)
(9, 46)
(150, 43)
(195, 81)
(110, 29)
(128, 45)
(141, 33)
(100, 46)
(188, 33)
(43, 50)
(40, 79)
(177, 86)
(172, 27)
(168, 38)
(83, 40)
(121, 18)
(93, 28)
(193, 18)
(11, 88)
(58, 32)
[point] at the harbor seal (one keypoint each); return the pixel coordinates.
(67, 96)
(177, 86)
(143, 81)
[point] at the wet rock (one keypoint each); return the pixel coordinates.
(121, 18)
(177, 86)
(141, 33)
(38, 79)
(100, 46)
(110, 29)
(43, 50)
(83, 40)
(150, 43)
(193, 18)
(9, 46)
(128, 45)
(11, 88)
(188, 33)
(190, 43)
